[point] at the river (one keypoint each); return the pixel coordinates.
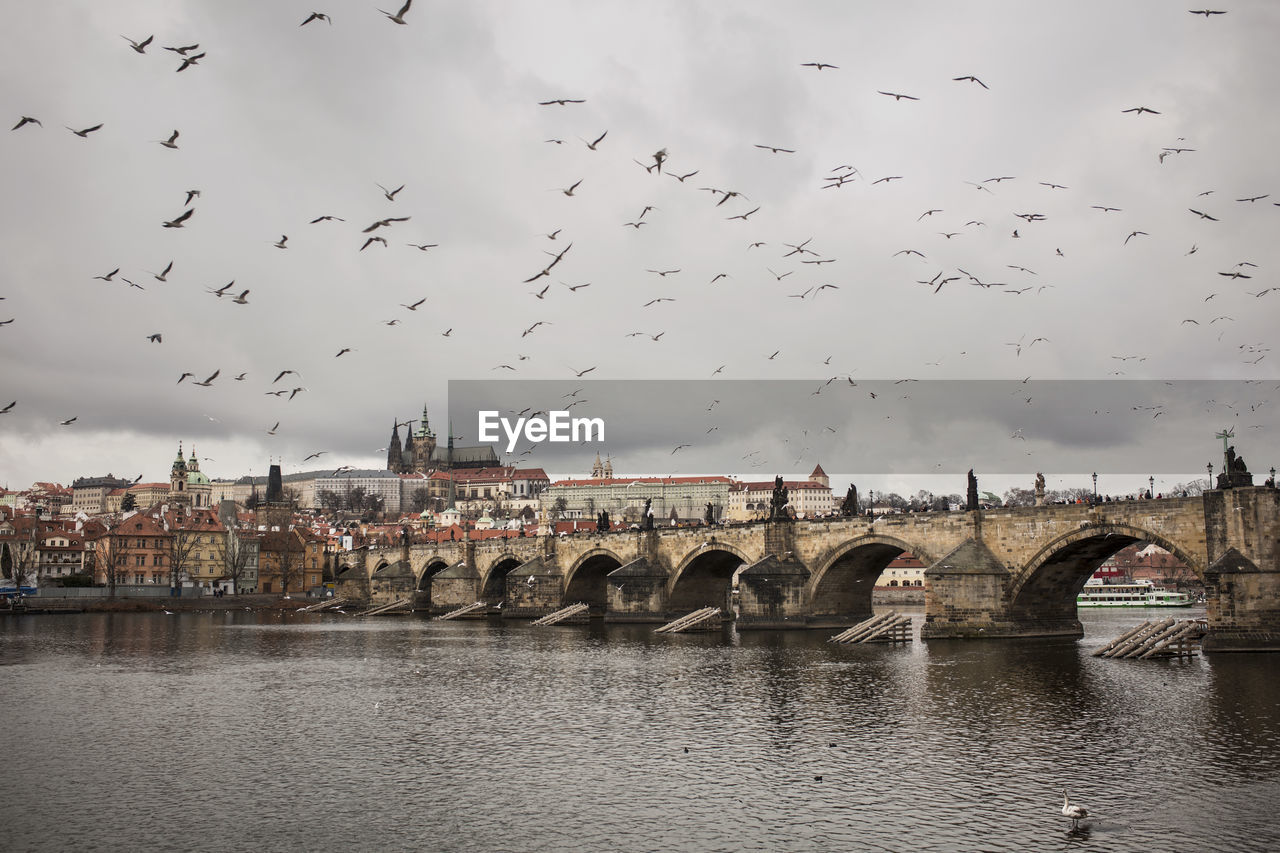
(266, 731)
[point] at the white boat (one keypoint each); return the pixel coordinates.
(1139, 593)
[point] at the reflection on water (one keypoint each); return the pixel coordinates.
(247, 731)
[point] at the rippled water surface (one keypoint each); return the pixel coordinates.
(249, 731)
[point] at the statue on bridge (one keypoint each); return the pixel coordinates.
(646, 518)
(1039, 489)
(710, 515)
(850, 505)
(778, 503)
(1236, 473)
(971, 499)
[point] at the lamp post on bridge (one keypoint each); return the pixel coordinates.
(1151, 490)
(1209, 468)
(1095, 486)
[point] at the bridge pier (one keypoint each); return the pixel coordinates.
(637, 593)
(968, 595)
(771, 594)
(1242, 583)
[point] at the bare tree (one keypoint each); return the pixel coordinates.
(237, 557)
(289, 561)
(110, 554)
(19, 559)
(182, 544)
(419, 498)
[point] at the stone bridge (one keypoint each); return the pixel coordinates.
(1011, 572)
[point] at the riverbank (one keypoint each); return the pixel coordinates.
(187, 604)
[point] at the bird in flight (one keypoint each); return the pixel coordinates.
(1255, 198)
(161, 275)
(1104, 208)
(375, 238)
(774, 150)
(190, 60)
(818, 65)
(570, 190)
(171, 142)
(386, 223)
(109, 275)
(414, 306)
(84, 134)
(680, 447)
(659, 299)
(317, 16)
(280, 244)
(327, 218)
(663, 273)
(206, 383)
(1141, 110)
(178, 222)
(182, 51)
(26, 120)
(155, 339)
(242, 298)
(320, 453)
(272, 431)
(398, 17)
(592, 145)
(422, 247)
(139, 46)
(1207, 12)
(67, 422)
(886, 180)
(534, 326)
(561, 101)
(971, 79)
(1133, 234)
(581, 373)
(390, 194)
(898, 97)
(1203, 215)
(743, 216)
(8, 407)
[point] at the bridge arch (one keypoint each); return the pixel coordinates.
(587, 581)
(1047, 585)
(845, 577)
(430, 569)
(493, 586)
(704, 577)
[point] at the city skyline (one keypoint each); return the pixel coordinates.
(993, 192)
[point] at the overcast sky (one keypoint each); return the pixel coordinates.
(280, 124)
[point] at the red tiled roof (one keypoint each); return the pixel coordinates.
(818, 472)
(768, 486)
(622, 481)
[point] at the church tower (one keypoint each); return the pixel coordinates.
(178, 479)
(395, 460)
(597, 469)
(608, 468)
(424, 445)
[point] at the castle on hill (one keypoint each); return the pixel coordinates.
(420, 454)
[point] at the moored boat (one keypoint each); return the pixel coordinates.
(1138, 593)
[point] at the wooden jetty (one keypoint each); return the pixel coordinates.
(1157, 638)
(698, 619)
(400, 605)
(463, 610)
(565, 613)
(327, 604)
(891, 627)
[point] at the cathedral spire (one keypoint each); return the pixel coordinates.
(395, 457)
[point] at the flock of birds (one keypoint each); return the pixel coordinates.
(811, 278)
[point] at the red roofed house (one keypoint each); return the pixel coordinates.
(807, 498)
